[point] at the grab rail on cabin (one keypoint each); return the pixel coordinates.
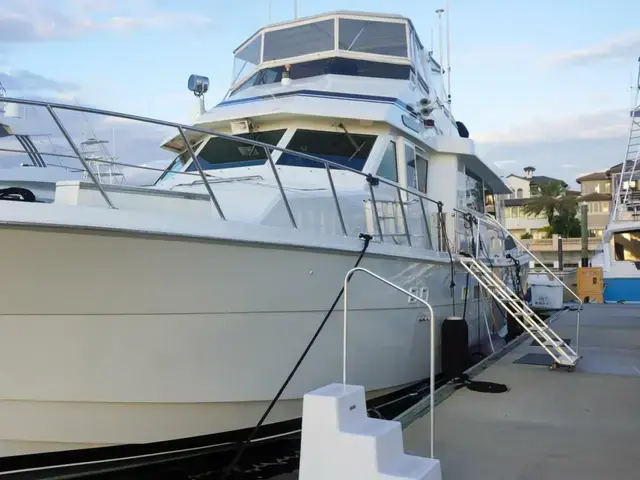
(372, 180)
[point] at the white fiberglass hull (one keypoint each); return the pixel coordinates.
(119, 338)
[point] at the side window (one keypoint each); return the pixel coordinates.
(627, 246)
(422, 173)
(389, 164)
(410, 158)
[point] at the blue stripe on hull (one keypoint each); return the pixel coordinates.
(622, 289)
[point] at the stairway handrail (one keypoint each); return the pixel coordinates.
(488, 219)
(432, 343)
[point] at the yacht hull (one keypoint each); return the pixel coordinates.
(112, 338)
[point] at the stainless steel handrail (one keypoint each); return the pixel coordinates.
(181, 128)
(432, 341)
(75, 149)
(212, 196)
(191, 128)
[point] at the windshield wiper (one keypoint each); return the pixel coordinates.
(352, 142)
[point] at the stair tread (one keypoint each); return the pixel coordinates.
(519, 309)
(409, 466)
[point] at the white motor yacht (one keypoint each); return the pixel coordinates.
(146, 321)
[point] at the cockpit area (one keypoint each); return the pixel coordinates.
(343, 43)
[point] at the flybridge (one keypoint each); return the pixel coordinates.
(345, 43)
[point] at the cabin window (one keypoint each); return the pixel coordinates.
(177, 165)
(350, 150)
(389, 164)
(301, 40)
(422, 173)
(328, 66)
(227, 153)
(410, 160)
(474, 191)
(247, 59)
(627, 246)
(382, 38)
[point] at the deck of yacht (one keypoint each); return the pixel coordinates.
(550, 424)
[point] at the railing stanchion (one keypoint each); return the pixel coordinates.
(371, 180)
(404, 215)
(284, 196)
(75, 149)
(202, 174)
(427, 230)
(440, 222)
(335, 199)
(478, 239)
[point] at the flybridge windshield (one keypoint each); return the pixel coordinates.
(381, 37)
(300, 40)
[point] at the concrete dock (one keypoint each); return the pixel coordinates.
(551, 424)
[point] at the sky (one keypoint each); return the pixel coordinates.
(544, 83)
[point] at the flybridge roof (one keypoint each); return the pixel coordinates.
(337, 13)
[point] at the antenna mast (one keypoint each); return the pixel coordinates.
(440, 49)
(295, 9)
(448, 56)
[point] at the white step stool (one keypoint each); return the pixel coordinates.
(341, 442)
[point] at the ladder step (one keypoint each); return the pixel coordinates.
(551, 343)
(539, 329)
(519, 309)
(569, 362)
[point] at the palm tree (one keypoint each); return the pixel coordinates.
(550, 199)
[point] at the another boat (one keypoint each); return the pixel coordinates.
(148, 321)
(40, 170)
(619, 256)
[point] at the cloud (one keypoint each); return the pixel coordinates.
(561, 146)
(24, 80)
(502, 163)
(603, 124)
(39, 20)
(620, 48)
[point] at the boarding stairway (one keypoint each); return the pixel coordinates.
(543, 334)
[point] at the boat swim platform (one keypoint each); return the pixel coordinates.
(551, 424)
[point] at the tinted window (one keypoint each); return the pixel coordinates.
(178, 163)
(422, 173)
(410, 158)
(335, 66)
(349, 150)
(389, 164)
(226, 153)
(627, 246)
(301, 40)
(382, 38)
